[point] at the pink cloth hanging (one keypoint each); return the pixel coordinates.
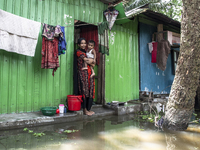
(154, 52)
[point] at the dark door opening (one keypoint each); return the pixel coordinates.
(90, 32)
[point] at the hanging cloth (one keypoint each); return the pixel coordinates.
(50, 47)
(111, 15)
(103, 38)
(50, 31)
(150, 45)
(154, 52)
(62, 42)
(163, 50)
(18, 34)
(50, 54)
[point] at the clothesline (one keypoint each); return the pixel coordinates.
(90, 23)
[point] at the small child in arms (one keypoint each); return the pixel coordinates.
(92, 55)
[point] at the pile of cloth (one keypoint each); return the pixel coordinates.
(53, 44)
(159, 53)
(20, 35)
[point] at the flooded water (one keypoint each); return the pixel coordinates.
(109, 133)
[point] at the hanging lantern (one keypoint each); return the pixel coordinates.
(111, 15)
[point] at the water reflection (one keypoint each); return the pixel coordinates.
(110, 133)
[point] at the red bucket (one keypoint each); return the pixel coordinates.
(74, 102)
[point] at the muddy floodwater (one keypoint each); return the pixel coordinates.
(107, 133)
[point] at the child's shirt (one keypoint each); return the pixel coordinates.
(89, 54)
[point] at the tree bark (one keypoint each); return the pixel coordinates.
(180, 105)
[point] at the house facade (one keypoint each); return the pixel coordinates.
(25, 87)
(153, 79)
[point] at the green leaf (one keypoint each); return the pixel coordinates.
(141, 129)
(30, 131)
(194, 114)
(25, 129)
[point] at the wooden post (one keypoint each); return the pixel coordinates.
(103, 80)
(99, 98)
(159, 35)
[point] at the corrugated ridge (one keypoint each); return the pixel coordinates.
(122, 65)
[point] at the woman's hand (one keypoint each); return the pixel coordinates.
(88, 61)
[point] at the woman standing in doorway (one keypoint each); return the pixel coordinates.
(86, 84)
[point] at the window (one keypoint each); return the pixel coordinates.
(175, 54)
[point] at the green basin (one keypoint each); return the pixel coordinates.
(48, 111)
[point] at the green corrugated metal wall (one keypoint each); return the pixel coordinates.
(24, 86)
(122, 64)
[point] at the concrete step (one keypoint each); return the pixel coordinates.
(22, 120)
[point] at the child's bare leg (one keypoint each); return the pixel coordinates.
(92, 72)
(85, 66)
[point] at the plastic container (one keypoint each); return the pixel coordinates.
(65, 110)
(74, 102)
(61, 108)
(48, 111)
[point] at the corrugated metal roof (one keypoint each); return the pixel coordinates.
(147, 13)
(161, 18)
(158, 17)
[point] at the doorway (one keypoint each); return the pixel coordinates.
(90, 32)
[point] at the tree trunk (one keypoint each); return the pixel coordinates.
(182, 96)
(197, 98)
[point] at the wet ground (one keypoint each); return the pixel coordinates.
(109, 133)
